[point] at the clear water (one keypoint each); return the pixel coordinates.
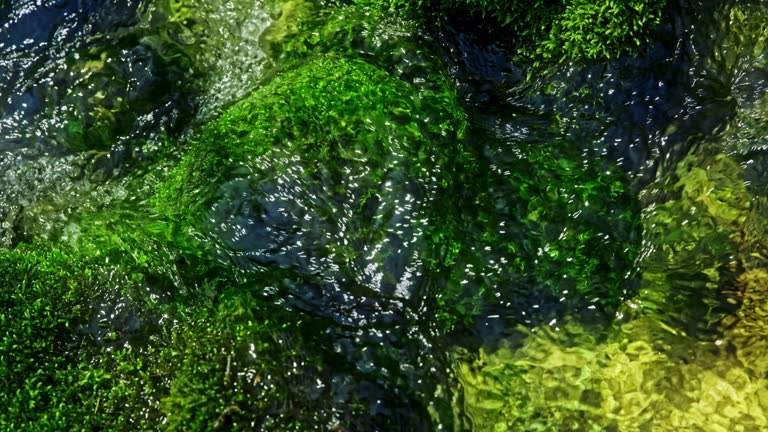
(96, 94)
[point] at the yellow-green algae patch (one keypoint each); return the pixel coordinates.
(645, 378)
(747, 329)
(696, 221)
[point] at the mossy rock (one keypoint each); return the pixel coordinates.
(158, 297)
(642, 377)
(114, 328)
(550, 31)
(333, 164)
(117, 92)
(325, 188)
(81, 349)
(549, 237)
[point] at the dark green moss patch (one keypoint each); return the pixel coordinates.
(550, 237)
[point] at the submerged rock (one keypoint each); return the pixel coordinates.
(691, 354)
(334, 171)
(549, 236)
(688, 352)
(77, 108)
(326, 187)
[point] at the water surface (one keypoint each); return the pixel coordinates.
(592, 259)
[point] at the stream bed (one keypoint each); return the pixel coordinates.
(297, 215)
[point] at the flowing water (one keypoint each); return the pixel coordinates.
(585, 252)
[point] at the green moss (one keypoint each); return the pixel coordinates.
(327, 112)
(552, 31)
(695, 222)
(550, 237)
(137, 357)
(243, 366)
(224, 359)
(81, 349)
(590, 30)
(39, 311)
(49, 382)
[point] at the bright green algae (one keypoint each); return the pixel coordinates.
(233, 362)
(329, 111)
(643, 378)
(552, 30)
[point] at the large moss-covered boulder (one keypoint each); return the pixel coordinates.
(335, 170)
(328, 189)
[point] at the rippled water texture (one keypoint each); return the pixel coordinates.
(289, 215)
(681, 122)
(83, 91)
